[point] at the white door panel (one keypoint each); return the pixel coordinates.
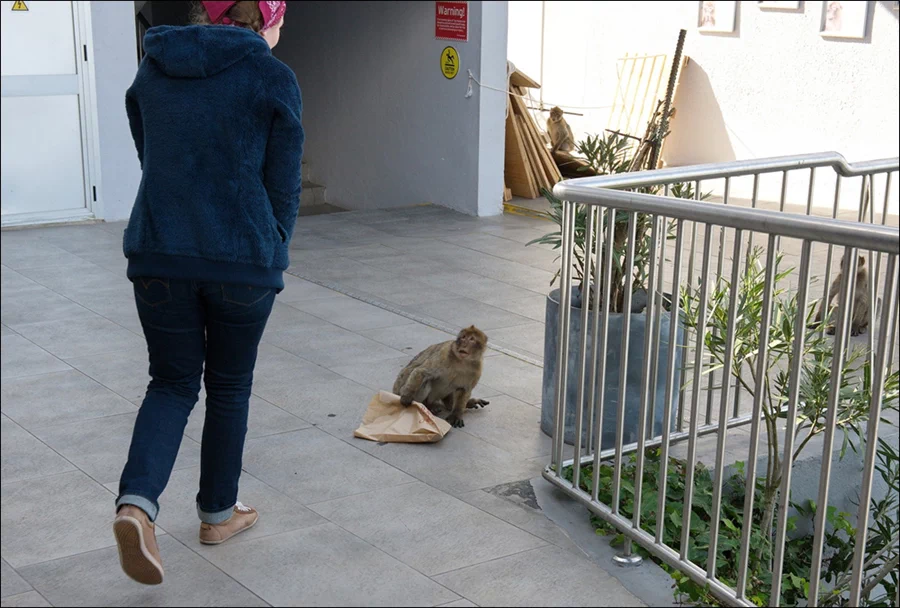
(45, 151)
(41, 156)
(38, 41)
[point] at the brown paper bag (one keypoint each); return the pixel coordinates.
(389, 421)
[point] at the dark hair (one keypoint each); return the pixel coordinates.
(244, 14)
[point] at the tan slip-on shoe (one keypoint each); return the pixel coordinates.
(242, 518)
(138, 551)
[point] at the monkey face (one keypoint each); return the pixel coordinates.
(860, 262)
(470, 342)
(555, 114)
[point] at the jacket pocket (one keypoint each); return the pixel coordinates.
(282, 233)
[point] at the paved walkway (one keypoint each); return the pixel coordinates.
(344, 521)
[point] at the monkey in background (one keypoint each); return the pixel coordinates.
(561, 137)
(860, 320)
(444, 374)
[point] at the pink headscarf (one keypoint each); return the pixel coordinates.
(272, 12)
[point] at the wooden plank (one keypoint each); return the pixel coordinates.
(516, 167)
(524, 137)
(519, 79)
(550, 170)
(531, 152)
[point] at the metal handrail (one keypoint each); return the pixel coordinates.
(825, 230)
(586, 200)
(731, 169)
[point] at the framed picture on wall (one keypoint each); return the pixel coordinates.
(779, 6)
(844, 19)
(719, 17)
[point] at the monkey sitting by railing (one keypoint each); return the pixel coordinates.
(860, 300)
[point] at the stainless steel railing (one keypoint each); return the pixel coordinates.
(598, 202)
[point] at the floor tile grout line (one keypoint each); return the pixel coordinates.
(540, 547)
(38, 439)
(77, 468)
(460, 268)
(328, 522)
(225, 574)
(549, 542)
(318, 365)
(428, 321)
(452, 496)
(356, 331)
(141, 335)
(32, 590)
(61, 360)
(107, 548)
(390, 555)
(414, 480)
(73, 319)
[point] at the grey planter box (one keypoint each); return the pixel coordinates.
(612, 360)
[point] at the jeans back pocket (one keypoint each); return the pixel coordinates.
(244, 295)
(152, 291)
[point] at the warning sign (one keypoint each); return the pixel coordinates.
(449, 63)
(451, 21)
(19, 6)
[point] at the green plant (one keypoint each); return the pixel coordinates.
(881, 547)
(815, 370)
(882, 550)
(607, 155)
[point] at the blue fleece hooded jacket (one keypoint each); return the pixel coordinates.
(216, 120)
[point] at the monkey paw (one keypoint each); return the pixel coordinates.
(407, 401)
(474, 404)
(455, 421)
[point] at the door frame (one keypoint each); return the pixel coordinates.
(90, 133)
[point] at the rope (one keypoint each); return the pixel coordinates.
(510, 69)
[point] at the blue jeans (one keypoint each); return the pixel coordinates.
(187, 323)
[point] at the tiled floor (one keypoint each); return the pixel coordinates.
(344, 521)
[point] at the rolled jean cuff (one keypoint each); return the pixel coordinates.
(144, 504)
(216, 518)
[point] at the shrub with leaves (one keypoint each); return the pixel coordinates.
(817, 361)
(609, 155)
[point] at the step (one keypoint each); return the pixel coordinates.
(514, 209)
(323, 209)
(312, 195)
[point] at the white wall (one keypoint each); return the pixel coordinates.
(775, 87)
(115, 64)
(384, 127)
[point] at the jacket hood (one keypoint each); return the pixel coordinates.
(200, 51)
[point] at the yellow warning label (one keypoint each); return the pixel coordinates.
(19, 6)
(449, 63)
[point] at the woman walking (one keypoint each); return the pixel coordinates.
(216, 120)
